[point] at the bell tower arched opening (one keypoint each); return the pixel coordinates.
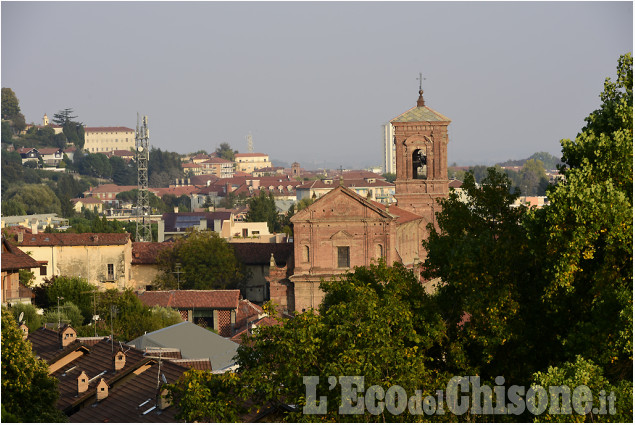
(420, 164)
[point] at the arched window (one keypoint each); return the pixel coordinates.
(419, 164)
(379, 251)
(306, 258)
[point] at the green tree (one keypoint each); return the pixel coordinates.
(206, 262)
(94, 164)
(589, 233)
(533, 179)
(375, 322)
(263, 208)
(29, 394)
(10, 104)
(67, 313)
(34, 199)
(123, 173)
(226, 151)
(163, 168)
(73, 130)
(73, 290)
(30, 317)
(390, 177)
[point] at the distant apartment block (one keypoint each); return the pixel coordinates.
(248, 162)
(390, 159)
(107, 139)
(219, 167)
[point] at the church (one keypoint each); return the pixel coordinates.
(342, 230)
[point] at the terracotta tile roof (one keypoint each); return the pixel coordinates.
(107, 129)
(217, 161)
(148, 252)
(49, 151)
(176, 191)
(135, 399)
(456, 183)
(111, 188)
(198, 364)
(247, 312)
(76, 239)
(202, 179)
(245, 330)
(24, 150)
(14, 259)
(403, 216)
(216, 299)
(260, 253)
(320, 184)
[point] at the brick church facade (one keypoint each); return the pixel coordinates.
(342, 230)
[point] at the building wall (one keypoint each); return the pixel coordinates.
(390, 163)
(142, 275)
(340, 223)
(10, 285)
(109, 140)
(248, 164)
(88, 262)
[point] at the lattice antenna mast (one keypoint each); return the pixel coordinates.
(142, 143)
(250, 143)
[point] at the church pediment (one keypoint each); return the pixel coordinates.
(342, 234)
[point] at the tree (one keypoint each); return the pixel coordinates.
(589, 233)
(30, 316)
(34, 199)
(94, 164)
(376, 322)
(73, 290)
(29, 394)
(226, 151)
(206, 262)
(123, 174)
(390, 177)
(263, 208)
(163, 168)
(533, 179)
(10, 104)
(66, 313)
(73, 130)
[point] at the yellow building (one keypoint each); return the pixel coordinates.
(248, 162)
(102, 258)
(107, 139)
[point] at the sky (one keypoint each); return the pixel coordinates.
(314, 82)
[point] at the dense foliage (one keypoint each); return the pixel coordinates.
(29, 394)
(205, 261)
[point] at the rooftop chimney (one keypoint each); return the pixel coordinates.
(25, 331)
(162, 400)
(119, 360)
(68, 335)
(20, 236)
(82, 383)
(102, 390)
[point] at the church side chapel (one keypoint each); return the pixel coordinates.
(342, 230)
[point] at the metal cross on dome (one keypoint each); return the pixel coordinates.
(420, 80)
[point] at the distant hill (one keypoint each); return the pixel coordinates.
(549, 160)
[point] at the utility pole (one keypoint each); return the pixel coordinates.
(142, 143)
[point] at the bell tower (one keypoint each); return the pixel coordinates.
(421, 139)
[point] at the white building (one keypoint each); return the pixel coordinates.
(390, 159)
(107, 139)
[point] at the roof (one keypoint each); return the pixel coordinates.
(46, 343)
(14, 259)
(185, 220)
(247, 312)
(249, 155)
(192, 298)
(402, 215)
(134, 400)
(191, 165)
(265, 321)
(198, 364)
(194, 342)
(110, 187)
(85, 201)
(107, 129)
(75, 239)
(321, 184)
(456, 184)
(260, 253)
(49, 151)
(148, 252)
(217, 161)
(421, 114)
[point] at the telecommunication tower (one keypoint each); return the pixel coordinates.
(142, 143)
(250, 143)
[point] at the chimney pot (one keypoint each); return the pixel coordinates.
(102, 390)
(82, 382)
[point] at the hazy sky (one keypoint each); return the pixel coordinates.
(314, 82)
